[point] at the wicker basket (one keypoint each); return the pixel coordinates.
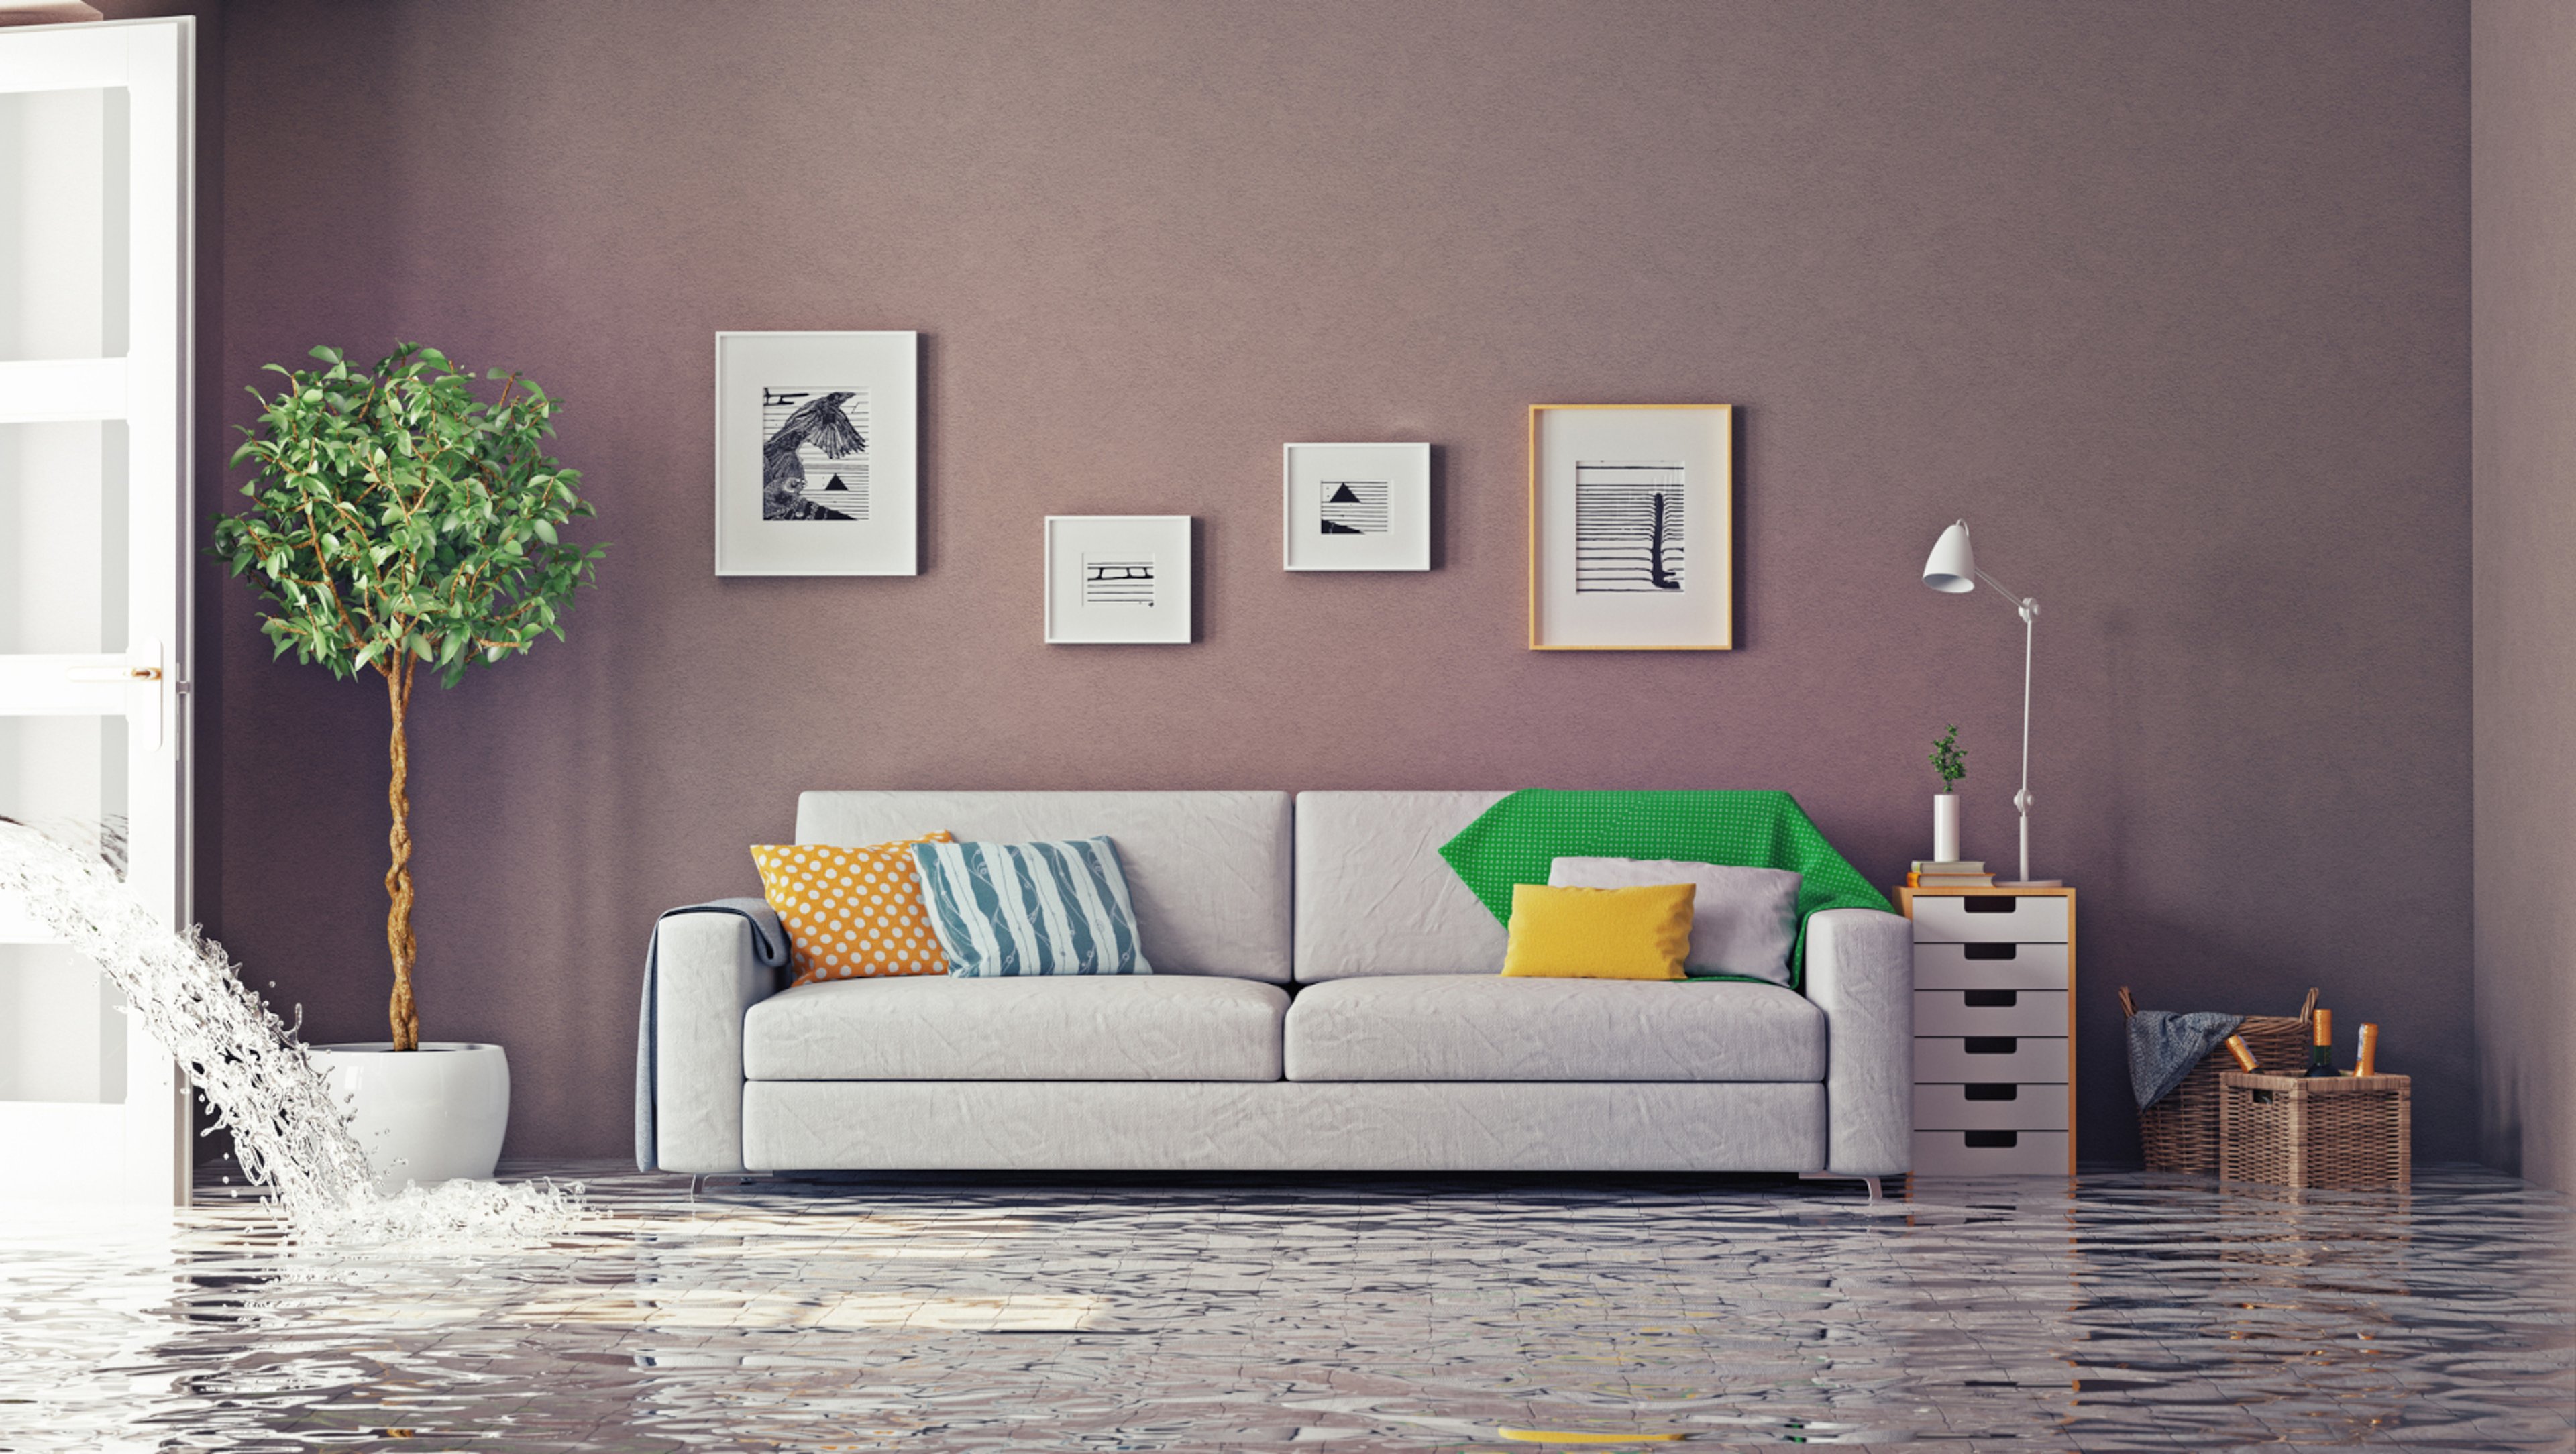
(2180, 1132)
(2343, 1132)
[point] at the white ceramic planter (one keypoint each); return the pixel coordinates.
(427, 1115)
(1945, 827)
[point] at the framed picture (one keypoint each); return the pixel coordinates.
(817, 454)
(1357, 507)
(1632, 527)
(1114, 579)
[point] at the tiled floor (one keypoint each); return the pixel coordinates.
(2132, 1312)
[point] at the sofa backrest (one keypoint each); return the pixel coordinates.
(1374, 896)
(1208, 872)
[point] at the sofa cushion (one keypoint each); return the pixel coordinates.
(850, 913)
(1486, 1027)
(1008, 910)
(1374, 896)
(1744, 921)
(1207, 871)
(1116, 1027)
(1639, 932)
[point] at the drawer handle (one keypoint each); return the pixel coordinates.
(1993, 1140)
(1989, 1091)
(1988, 903)
(1991, 951)
(1992, 999)
(1993, 1044)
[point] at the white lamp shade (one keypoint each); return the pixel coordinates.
(1952, 566)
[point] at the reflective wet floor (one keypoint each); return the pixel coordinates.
(2124, 1312)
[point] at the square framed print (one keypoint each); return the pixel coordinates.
(818, 454)
(1632, 527)
(1117, 579)
(1356, 507)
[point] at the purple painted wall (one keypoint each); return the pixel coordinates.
(2170, 301)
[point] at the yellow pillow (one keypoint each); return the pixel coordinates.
(851, 913)
(1567, 933)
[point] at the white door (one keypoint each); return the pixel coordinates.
(95, 251)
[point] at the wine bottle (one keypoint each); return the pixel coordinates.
(2321, 1048)
(2367, 1061)
(2242, 1053)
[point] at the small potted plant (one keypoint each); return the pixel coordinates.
(398, 520)
(1947, 761)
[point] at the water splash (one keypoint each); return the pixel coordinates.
(289, 1134)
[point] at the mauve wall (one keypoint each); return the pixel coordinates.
(2170, 301)
(2524, 242)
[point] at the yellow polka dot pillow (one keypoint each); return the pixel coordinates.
(851, 913)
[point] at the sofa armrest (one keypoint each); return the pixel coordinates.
(706, 975)
(1860, 972)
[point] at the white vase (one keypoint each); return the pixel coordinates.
(1945, 827)
(428, 1115)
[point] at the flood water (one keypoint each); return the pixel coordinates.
(2132, 1312)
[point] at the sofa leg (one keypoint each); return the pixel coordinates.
(1876, 1193)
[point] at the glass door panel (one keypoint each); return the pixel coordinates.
(63, 251)
(64, 543)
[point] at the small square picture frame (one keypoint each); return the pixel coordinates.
(818, 452)
(1632, 527)
(1118, 580)
(1355, 507)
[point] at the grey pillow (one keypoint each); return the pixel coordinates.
(1743, 920)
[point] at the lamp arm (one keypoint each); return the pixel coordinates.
(2016, 597)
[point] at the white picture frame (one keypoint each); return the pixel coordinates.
(1118, 580)
(852, 402)
(1355, 507)
(1632, 527)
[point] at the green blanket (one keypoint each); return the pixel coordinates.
(1513, 842)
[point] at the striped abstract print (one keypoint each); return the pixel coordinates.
(1030, 908)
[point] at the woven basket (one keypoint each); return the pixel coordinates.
(2180, 1132)
(2342, 1132)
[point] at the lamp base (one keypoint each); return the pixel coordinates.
(2030, 883)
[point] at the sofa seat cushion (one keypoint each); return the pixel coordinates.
(1442, 1027)
(1118, 1027)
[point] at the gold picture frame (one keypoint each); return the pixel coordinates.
(1632, 527)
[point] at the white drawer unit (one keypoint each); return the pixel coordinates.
(1990, 1106)
(1994, 1054)
(1990, 966)
(1991, 1153)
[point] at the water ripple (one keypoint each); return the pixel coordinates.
(2128, 1312)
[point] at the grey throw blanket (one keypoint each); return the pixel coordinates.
(768, 945)
(2164, 1046)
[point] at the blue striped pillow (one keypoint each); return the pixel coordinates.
(1030, 908)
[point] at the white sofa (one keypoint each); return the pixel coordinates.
(1325, 996)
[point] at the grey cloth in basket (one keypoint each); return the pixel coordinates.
(2164, 1046)
(768, 946)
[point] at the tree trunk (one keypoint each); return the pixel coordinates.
(405, 1015)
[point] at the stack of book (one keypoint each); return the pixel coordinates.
(1962, 874)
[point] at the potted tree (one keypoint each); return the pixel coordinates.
(399, 520)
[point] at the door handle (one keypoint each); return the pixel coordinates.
(113, 673)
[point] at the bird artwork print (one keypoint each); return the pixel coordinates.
(818, 426)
